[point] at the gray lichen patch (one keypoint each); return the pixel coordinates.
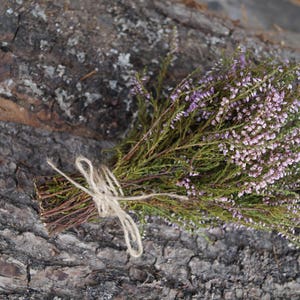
(39, 12)
(64, 101)
(32, 88)
(5, 87)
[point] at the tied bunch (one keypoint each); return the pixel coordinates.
(228, 139)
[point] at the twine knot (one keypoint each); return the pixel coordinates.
(106, 193)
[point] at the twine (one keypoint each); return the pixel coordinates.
(106, 193)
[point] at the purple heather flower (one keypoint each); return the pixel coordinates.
(138, 88)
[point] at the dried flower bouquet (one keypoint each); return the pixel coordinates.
(229, 139)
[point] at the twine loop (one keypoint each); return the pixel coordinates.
(106, 193)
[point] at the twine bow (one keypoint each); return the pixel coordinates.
(106, 193)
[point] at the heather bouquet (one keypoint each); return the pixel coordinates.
(228, 139)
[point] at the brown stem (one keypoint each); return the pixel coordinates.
(65, 205)
(46, 196)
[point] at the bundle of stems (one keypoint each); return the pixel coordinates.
(229, 139)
